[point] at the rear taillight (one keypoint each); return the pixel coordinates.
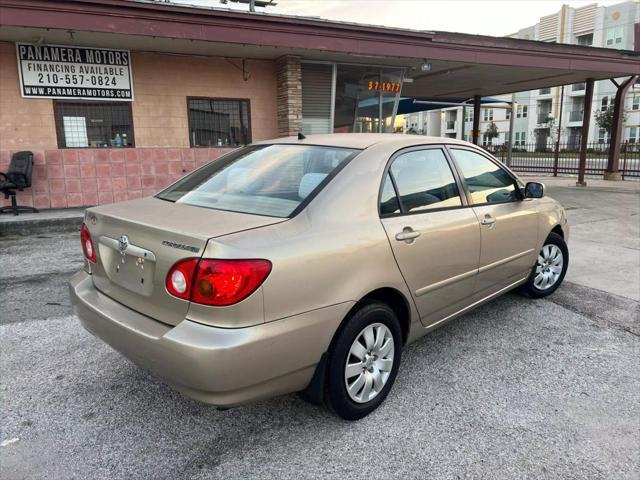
(216, 282)
(225, 282)
(87, 244)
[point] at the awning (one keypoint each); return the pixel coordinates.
(408, 105)
(369, 107)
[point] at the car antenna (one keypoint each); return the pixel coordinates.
(301, 136)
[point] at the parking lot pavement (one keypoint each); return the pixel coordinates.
(605, 232)
(516, 389)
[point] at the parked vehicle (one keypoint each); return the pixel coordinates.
(308, 264)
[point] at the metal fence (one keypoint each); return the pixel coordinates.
(534, 158)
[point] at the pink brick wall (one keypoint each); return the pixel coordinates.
(24, 122)
(83, 177)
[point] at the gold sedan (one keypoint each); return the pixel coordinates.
(307, 264)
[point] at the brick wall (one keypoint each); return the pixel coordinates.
(92, 176)
(289, 96)
(162, 83)
(25, 123)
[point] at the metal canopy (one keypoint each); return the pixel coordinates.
(467, 80)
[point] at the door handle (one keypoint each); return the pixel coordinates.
(407, 235)
(488, 220)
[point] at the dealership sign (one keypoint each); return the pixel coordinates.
(58, 71)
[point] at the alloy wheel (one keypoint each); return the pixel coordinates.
(369, 363)
(548, 267)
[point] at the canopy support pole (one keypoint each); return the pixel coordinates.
(582, 165)
(612, 172)
(464, 116)
(476, 119)
(512, 114)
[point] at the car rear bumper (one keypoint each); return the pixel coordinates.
(220, 366)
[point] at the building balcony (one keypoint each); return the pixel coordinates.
(544, 117)
(576, 116)
(578, 88)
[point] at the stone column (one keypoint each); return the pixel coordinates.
(289, 95)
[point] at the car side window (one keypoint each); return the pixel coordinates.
(487, 182)
(425, 181)
(388, 200)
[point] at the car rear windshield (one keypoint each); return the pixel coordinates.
(272, 180)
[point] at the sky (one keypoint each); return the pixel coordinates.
(485, 17)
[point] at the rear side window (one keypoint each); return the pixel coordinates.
(487, 182)
(272, 180)
(389, 200)
(425, 181)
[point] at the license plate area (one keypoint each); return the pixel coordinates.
(132, 268)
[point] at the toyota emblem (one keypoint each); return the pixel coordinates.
(123, 243)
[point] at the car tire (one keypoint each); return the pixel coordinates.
(550, 268)
(363, 361)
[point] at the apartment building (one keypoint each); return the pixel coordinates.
(537, 119)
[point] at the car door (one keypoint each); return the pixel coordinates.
(508, 221)
(434, 235)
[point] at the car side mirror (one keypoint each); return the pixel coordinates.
(534, 190)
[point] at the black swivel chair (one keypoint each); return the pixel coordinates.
(17, 178)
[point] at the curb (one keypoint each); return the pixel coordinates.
(41, 225)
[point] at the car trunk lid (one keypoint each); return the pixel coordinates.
(138, 241)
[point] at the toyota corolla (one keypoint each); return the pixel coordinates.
(307, 264)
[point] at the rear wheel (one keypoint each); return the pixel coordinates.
(550, 268)
(363, 362)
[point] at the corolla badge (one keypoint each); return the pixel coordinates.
(181, 246)
(123, 243)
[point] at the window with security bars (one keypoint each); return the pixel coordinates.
(82, 124)
(218, 122)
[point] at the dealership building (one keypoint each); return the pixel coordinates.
(116, 99)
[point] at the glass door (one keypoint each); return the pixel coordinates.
(366, 98)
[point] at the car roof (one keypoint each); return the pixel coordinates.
(365, 140)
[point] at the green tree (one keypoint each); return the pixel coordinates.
(492, 131)
(555, 130)
(604, 119)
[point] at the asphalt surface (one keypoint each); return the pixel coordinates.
(516, 389)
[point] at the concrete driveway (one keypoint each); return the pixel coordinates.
(517, 389)
(605, 232)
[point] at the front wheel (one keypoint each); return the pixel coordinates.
(550, 268)
(363, 362)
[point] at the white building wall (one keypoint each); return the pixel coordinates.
(605, 20)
